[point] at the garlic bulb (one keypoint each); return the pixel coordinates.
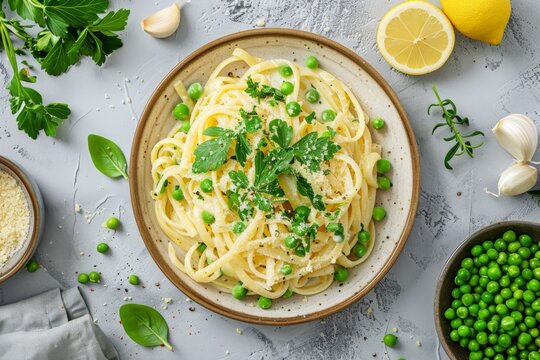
(518, 135)
(163, 23)
(517, 179)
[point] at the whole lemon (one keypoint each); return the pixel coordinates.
(483, 20)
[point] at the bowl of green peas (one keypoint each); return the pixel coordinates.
(487, 301)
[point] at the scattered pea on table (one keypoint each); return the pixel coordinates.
(32, 265)
(112, 223)
(102, 248)
(134, 280)
(390, 340)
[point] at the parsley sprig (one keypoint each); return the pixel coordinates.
(452, 120)
(263, 92)
(211, 154)
(71, 29)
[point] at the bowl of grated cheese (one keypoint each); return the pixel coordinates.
(21, 218)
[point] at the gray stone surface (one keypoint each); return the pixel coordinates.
(486, 82)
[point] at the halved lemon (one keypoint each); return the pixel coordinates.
(415, 37)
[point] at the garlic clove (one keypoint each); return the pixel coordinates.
(518, 135)
(163, 23)
(517, 179)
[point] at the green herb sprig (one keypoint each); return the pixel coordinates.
(71, 29)
(264, 91)
(452, 120)
(211, 154)
(144, 325)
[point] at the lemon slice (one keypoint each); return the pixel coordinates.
(415, 37)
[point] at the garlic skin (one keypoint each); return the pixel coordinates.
(517, 179)
(163, 23)
(518, 135)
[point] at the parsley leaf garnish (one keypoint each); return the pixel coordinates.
(305, 188)
(263, 92)
(310, 118)
(280, 132)
(211, 154)
(312, 150)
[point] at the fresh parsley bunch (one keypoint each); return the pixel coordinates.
(71, 29)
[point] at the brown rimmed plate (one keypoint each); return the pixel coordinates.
(397, 140)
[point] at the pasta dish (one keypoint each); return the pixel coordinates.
(266, 184)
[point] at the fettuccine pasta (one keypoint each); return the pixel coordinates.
(264, 187)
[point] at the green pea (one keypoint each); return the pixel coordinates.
(524, 339)
(341, 274)
(463, 274)
(177, 193)
(364, 236)
(312, 96)
(286, 269)
(32, 265)
(525, 240)
(83, 278)
(377, 123)
(238, 291)
(450, 314)
(328, 115)
(195, 91)
(134, 280)
(454, 336)
(299, 229)
(94, 277)
(509, 236)
(207, 217)
(293, 108)
(264, 303)
(201, 248)
(477, 250)
(287, 294)
(379, 213)
(112, 223)
(207, 185)
(383, 166)
(291, 242)
(181, 111)
(359, 250)
(287, 88)
(301, 213)
(384, 182)
(508, 323)
(332, 227)
(312, 62)
(184, 126)
(102, 248)
(494, 273)
(239, 227)
(300, 251)
(390, 340)
(285, 71)
(476, 355)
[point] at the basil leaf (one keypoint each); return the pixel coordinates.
(144, 325)
(107, 156)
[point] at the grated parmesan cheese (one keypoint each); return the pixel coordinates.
(14, 217)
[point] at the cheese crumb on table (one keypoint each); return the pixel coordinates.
(14, 217)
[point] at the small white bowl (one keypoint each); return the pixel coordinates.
(35, 204)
